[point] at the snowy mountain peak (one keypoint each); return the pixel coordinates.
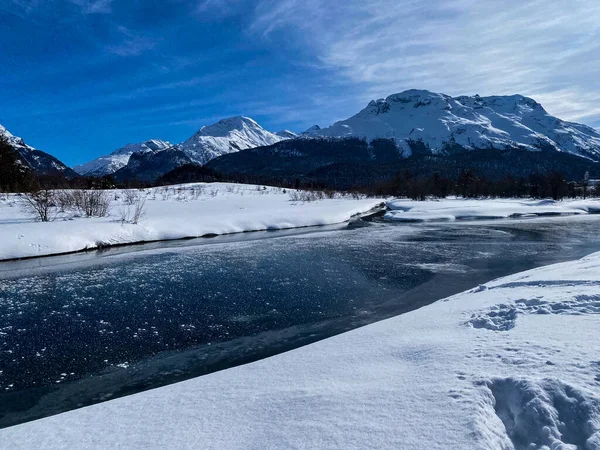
(227, 136)
(13, 140)
(108, 164)
(151, 145)
(472, 122)
(286, 134)
(225, 126)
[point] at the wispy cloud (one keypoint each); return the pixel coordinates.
(545, 49)
(94, 6)
(131, 44)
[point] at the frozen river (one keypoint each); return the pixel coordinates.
(79, 329)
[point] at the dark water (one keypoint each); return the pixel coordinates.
(81, 329)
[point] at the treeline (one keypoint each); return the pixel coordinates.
(415, 184)
(470, 185)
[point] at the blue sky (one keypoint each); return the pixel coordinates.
(81, 78)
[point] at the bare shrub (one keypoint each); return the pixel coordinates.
(197, 192)
(329, 193)
(130, 196)
(165, 193)
(305, 196)
(40, 204)
(139, 211)
(65, 200)
(92, 203)
(133, 213)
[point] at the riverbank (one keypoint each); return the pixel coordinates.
(451, 209)
(170, 213)
(509, 363)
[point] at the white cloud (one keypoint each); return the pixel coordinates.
(131, 43)
(94, 6)
(545, 49)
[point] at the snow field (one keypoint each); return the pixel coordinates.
(172, 212)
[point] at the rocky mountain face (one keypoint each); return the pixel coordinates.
(39, 162)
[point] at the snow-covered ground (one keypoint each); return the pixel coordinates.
(461, 209)
(172, 212)
(512, 364)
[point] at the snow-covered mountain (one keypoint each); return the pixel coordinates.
(118, 159)
(37, 160)
(442, 122)
(150, 165)
(227, 136)
(286, 134)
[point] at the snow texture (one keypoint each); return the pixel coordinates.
(173, 212)
(441, 122)
(433, 378)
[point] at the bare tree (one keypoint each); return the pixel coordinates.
(40, 204)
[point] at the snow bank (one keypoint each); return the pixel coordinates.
(176, 212)
(514, 363)
(461, 209)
